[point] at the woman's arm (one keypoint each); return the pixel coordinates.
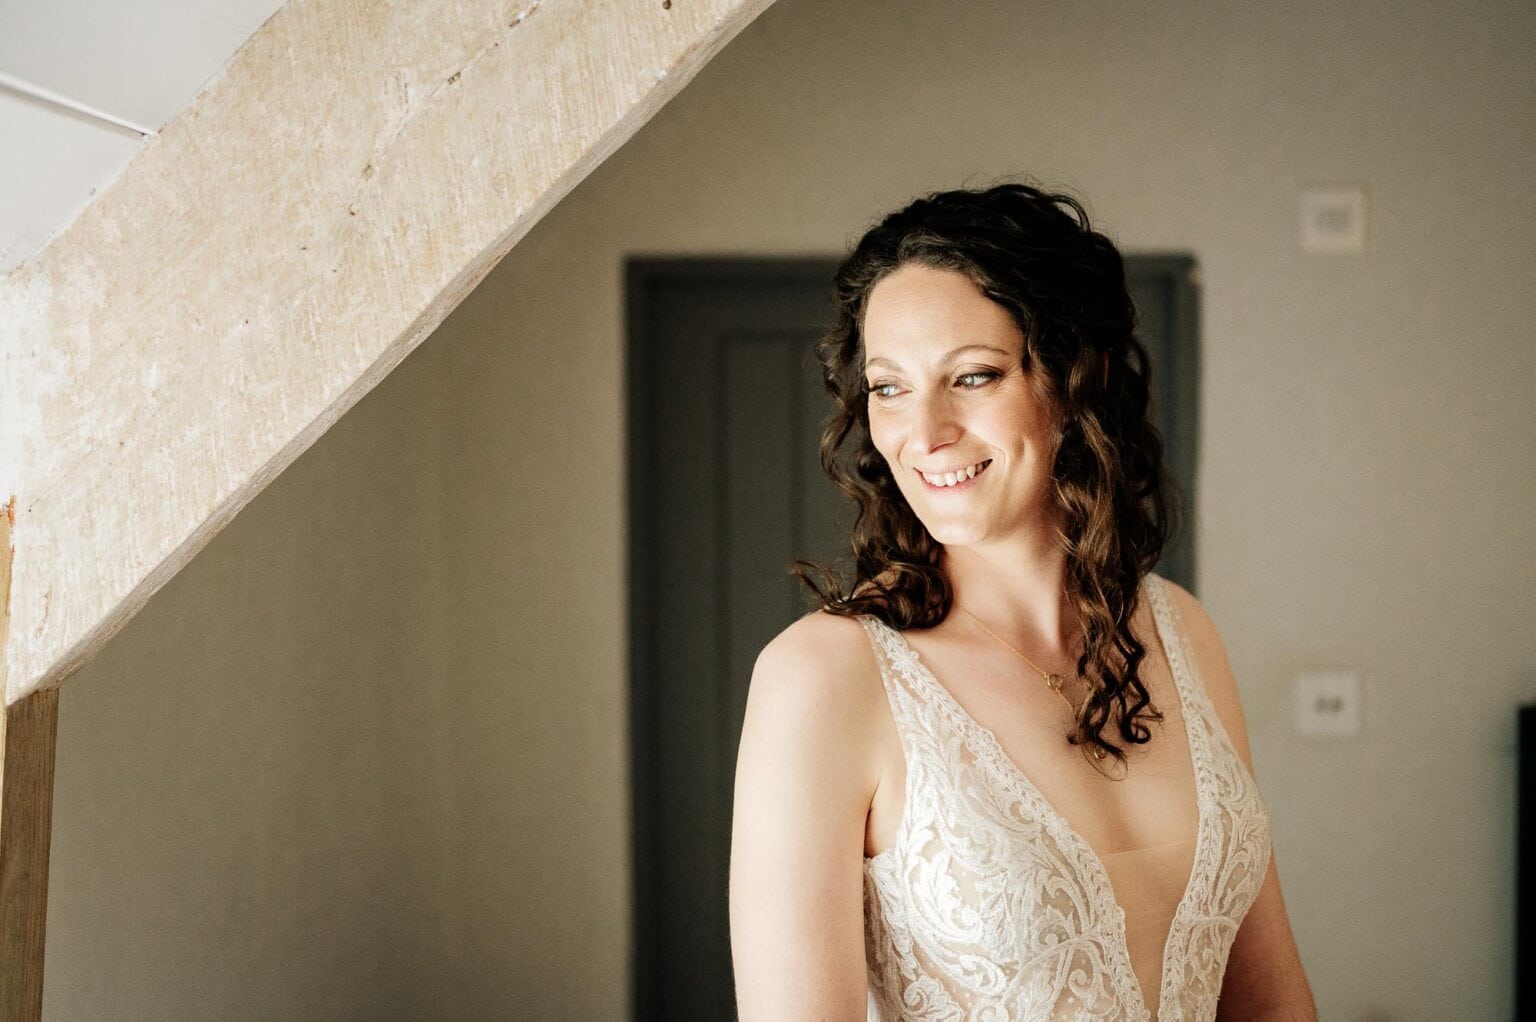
(804, 782)
(1264, 979)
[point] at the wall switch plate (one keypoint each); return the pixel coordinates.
(1328, 703)
(1333, 218)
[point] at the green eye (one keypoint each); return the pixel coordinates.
(987, 373)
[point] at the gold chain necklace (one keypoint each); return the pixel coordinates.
(1053, 680)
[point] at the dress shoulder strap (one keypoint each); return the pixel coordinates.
(1175, 639)
(897, 666)
(1170, 630)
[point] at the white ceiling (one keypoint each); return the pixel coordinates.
(135, 63)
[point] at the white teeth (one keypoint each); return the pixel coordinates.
(951, 478)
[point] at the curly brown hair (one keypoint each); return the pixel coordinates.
(1034, 253)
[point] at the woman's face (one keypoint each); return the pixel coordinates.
(948, 393)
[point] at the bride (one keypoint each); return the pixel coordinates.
(1001, 773)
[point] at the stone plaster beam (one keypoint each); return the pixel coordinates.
(284, 242)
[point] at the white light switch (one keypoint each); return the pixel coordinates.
(1328, 703)
(1333, 219)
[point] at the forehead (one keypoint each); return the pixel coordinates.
(917, 316)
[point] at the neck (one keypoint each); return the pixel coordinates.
(1018, 589)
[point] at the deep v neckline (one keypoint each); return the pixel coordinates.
(988, 749)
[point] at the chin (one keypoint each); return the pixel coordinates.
(955, 535)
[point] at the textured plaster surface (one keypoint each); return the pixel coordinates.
(292, 235)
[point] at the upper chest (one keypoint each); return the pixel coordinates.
(1150, 801)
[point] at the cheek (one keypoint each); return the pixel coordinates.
(884, 445)
(878, 437)
(1021, 426)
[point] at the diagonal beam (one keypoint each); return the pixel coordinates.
(287, 239)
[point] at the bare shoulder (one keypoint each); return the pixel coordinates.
(821, 661)
(814, 700)
(1209, 654)
(819, 631)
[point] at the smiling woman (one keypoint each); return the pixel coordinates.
(996, 326)
(1018, 861)
(980, 392)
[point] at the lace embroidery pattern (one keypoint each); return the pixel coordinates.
(989, 907)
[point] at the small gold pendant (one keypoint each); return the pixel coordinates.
(1054, 680)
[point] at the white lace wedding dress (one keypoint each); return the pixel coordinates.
(989, 907)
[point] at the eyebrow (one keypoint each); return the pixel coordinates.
(949, 357)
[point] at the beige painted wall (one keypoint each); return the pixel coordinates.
(240, 788)
(365, 757)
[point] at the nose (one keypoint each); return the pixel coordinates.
(934, 424)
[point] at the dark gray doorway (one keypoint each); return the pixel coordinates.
(725, 490)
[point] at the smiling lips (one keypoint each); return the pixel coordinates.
(957, 480)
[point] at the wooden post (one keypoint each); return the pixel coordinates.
(27, 730)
